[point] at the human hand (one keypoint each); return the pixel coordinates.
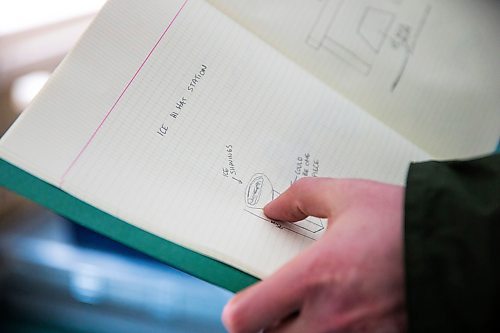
(350, 280)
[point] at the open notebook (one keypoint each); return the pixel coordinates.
(172, 123)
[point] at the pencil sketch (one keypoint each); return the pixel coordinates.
(260, 191)
(357, 41)
(355, 33)
(403, 41)
(374, 27)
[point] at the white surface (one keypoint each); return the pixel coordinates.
(446, 51)
(21, 15)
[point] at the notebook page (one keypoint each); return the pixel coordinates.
(429, 69)
(176, 120)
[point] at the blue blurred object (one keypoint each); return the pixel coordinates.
(75, 280)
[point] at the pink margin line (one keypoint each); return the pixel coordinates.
(119, 97)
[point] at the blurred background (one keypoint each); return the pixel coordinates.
(54, 275)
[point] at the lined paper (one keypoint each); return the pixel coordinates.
(175, 119)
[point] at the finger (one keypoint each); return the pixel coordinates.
(260, 306)
(306, 197)
(267, 302)
(291, 325)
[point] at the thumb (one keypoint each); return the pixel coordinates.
(306, 197)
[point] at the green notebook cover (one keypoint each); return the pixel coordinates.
(193, 263)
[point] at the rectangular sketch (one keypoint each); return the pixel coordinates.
(354, 34)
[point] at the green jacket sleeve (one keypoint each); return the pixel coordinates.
(452, 246)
